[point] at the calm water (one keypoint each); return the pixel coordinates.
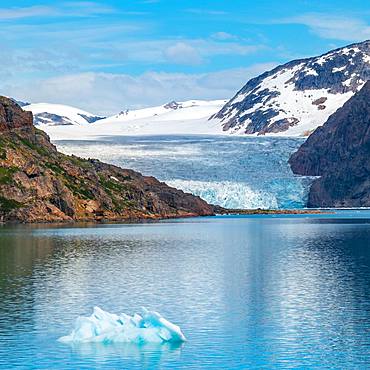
(234, 172)
(248, 292)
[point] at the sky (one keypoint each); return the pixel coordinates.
(107, 56)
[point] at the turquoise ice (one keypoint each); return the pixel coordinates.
(105, 327)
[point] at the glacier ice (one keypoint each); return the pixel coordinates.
(102, 326)
(239, 173)
(227, 194)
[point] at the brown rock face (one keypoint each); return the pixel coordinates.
(12, 117)
(339, 152)
(39, 184)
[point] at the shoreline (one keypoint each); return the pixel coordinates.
(157, 219)
(274, 211)
(219, 211)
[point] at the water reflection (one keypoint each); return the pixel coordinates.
(247, 292)
(148, 356)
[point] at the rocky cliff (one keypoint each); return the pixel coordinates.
(38, 184)
(339, 152)
(298, 96)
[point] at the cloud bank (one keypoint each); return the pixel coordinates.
(331, 26)
(108, 93)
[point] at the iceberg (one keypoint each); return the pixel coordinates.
(105, 327)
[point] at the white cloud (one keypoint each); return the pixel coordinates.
(116, 44)
(183, 53)
(65, 9)
(206, 12)
(332, 26)
(223, 36)
(178, 51)
(26, 12)
(104, 93)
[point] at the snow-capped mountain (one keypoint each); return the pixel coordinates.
(192, 109)
(298, 96)
(19, 102)
(189, 117)
(59, 115)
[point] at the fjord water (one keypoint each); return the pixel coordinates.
(248, 292)
(234, 172)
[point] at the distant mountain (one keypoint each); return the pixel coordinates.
(19, 102)
(298, 96)
(180, 118)
(191, 109)
(339, 152)
(59, 115)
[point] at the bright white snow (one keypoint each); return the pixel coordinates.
(296, 103)
(102, 326)
(299, 107)
(74, 115)
(191, 118)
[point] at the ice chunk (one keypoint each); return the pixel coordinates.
(102, 326)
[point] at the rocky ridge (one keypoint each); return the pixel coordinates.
(339, 152)
(39, 184)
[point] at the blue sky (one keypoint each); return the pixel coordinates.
(110, 55)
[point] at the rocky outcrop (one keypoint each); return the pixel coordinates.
(299, 95)
(13, 118)
(339, 152)
(38, 184)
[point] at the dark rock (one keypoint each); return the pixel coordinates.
(339, 152)
(45, 118)
(320, 101)
(12, 117)
(91, 119)
(173, 105)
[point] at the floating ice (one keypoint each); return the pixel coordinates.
(102, 326)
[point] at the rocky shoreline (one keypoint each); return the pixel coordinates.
(144, 218)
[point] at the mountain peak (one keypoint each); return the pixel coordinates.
(173, 105)
(286, 98)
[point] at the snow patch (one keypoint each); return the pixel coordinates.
(74, 115)
(310, 71)
(338, 69)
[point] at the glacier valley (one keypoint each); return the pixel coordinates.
(234, 172)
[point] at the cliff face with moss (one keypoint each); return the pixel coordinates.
(38, 184)
(339, 152)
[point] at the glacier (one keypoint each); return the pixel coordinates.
(233, 172)
(105, 327)
(233, 195)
